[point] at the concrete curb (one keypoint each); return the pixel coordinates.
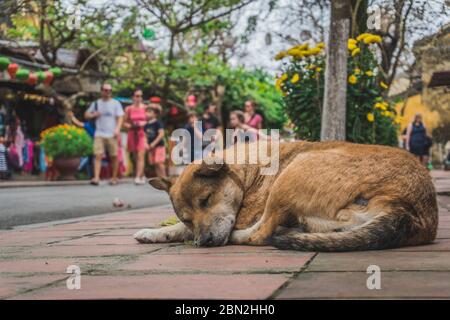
(30, 184)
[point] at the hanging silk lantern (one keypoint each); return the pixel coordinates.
(173, 111)
(4, 63)
(41, 76)
(12, 70)
(22, 74)
(48, 78)
(32, 79)
(56, 71)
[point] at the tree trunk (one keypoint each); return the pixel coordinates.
(334, 108)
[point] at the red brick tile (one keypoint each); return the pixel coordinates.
(10, 286)
(100, 240)
(352, 285)
(45, 265)
(387, 260)
(220, 263)
(195, 286)
(93, 250)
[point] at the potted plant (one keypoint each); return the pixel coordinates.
(66, 144)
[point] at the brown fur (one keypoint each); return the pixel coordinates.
(328, 196)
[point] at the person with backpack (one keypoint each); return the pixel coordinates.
(417, 140)
(108, 115)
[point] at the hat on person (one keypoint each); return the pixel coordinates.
(191, 101)
(155, 99)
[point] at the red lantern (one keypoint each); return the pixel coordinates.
(173, 111)
(12, 70)
(48, 77)
(32, 79)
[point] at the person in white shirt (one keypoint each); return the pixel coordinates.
(108, 114)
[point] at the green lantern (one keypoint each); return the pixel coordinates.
(22, 74)
(4, 63)
(149, 34)
(41, 76)
(56, 71)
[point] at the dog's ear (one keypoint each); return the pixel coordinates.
(212, 169)
(161, 183)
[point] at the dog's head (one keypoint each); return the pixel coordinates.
(206, 198)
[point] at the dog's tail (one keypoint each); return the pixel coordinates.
(382, 232)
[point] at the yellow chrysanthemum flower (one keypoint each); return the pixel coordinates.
(321, 45)
(284, 76)
(314, 51)
(372, 39)
(362, 36)
(352, 44)
(357, 71)
(381, 106)
(295, 78)
(352, 79)
(318, 69)
(303, 46)
(356, 51)
(369, 73)
(278, 84)
(280, 55)
(383, 85)
(370, 117)
(294, 52)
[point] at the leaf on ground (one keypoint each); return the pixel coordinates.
(169, 221)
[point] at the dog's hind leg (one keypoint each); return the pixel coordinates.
(176, 233)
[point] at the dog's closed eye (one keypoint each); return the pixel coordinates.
(205, 201)
(187, 222)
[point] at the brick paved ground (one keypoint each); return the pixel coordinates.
(33, 262)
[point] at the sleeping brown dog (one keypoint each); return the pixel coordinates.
(326, 196)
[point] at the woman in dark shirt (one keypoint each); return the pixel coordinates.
(417, 141)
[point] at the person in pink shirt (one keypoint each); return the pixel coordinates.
(252, 118)
(242, 131)
(135, 120)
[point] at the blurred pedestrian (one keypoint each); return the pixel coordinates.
(191, 102)
(252, 118)
(242, 131)
(417, 140)
(155, 103)
(211, 122)
(194, 127)
(4, 171)
(154, 131)
(86, 162)
(108, 114)
(209, 117)
(135, 120)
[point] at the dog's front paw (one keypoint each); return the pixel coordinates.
(239, 237)
(148, 236)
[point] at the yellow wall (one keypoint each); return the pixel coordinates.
(414, 105)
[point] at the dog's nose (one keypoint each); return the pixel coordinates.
(205, 240)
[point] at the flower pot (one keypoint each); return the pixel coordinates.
(67, 167)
